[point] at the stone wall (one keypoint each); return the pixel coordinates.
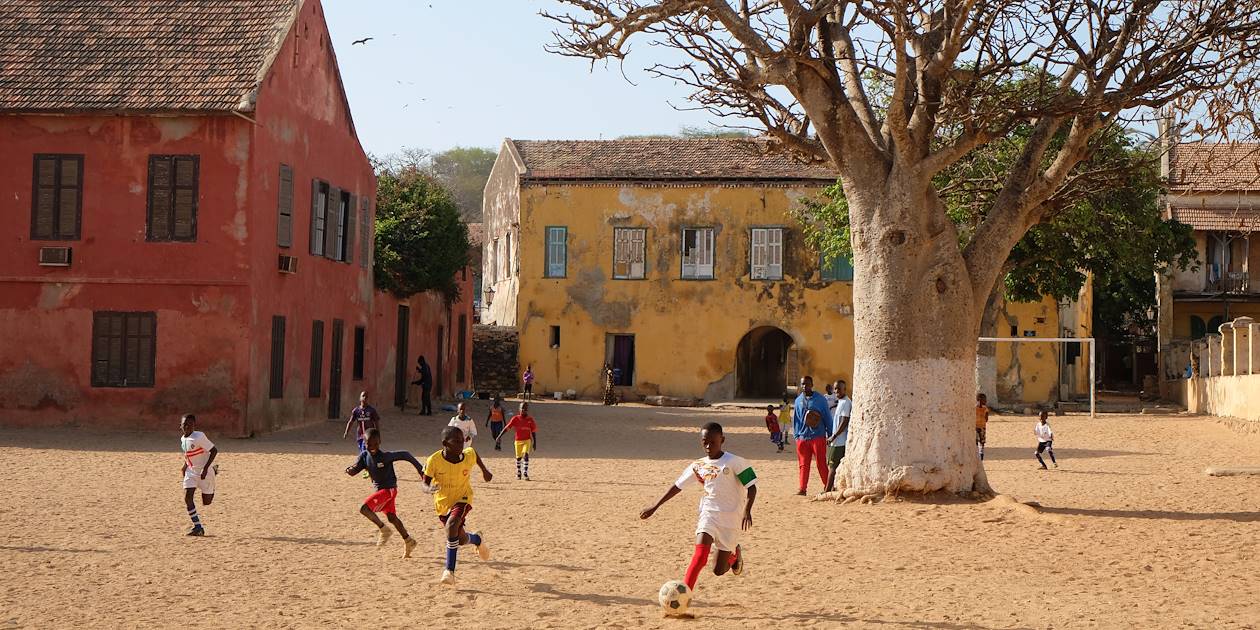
(1226, 375)
(495, 367)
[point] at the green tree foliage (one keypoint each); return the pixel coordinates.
(464, 171)
(421, 241)
(1107, 224)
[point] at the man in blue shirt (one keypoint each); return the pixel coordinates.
(380, 466)
(811, 423)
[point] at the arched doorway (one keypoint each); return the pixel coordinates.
(761, 363)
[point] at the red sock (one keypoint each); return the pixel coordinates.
(698, 560)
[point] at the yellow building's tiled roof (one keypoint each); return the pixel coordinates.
(1203, 166)
(664, 159)
(1243, 219)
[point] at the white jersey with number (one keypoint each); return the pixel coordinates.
(196, 448)
(724, 480)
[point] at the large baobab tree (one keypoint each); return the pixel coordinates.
(892, 92)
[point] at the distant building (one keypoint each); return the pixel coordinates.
(1215, 189)
(192, 219)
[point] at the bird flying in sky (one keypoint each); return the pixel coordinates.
(362, 41)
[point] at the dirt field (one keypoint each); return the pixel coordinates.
(1132, 534)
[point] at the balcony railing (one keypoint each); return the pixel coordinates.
(1233, 282)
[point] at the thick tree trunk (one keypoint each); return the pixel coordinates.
(915, 329)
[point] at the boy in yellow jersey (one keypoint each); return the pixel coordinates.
(448, 475)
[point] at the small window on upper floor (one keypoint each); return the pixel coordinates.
(629, 253)
(173, 184)
(57, 198)
(557, 251)
(697, 253)
(837, 269)
(767, 254)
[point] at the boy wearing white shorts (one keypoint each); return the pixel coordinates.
(198, 470)
(725, 477)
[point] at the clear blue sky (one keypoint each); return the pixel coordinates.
(444, 73)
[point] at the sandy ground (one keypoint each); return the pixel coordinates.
(1132, 534)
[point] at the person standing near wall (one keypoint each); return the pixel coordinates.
(425, 381)
(811, 423)
(607, 375)
(528, 380)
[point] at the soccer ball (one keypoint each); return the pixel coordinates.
(675, 597)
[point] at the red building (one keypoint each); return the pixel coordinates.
(190, 217)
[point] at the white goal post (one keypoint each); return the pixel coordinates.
(1088, 340)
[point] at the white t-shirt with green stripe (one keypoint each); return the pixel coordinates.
(724, 480)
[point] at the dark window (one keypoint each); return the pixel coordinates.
(460, 364)
(173, 197)
(1014, 330)
(124, 349)
(277, 356)
(360, 335)
(317, 358)
(319, 206)
(284, 225)
(340, 224)
(57, 197)
(352, 218)
(555, 336)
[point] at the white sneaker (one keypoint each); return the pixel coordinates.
(448, 577)
(382, 536)
(483, 550)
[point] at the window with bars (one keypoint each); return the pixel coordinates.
(57, 197)
(316, 385)
(124, 348)
(836, 269)
(629, 253)
(767, 254)
(697, 253)
(284, 207)
(557, 251)
(173, 197)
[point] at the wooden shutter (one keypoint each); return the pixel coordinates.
(277, 356)
(317, 358)
(161, 177)
(124, 349)
(44, 198)
(185, 199)
(351, 222)
(332, 213)
(317, 235)
(284, 210)
(69, 198)
(365, 232)
(774, 253)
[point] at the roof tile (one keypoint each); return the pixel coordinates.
(1203, 166)
(663, 159)
(136, 55)
(1242, 219)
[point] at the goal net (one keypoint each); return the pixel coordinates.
(1083, 340)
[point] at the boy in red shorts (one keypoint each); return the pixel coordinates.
(448, 475)
(380, 466)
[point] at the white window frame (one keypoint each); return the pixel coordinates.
(557, 252)
(624, 252)
(765, 253)
(697, 264)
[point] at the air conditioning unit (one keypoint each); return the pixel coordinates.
(288, 264)
(54, 256)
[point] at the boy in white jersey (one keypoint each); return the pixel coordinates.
(198, 470)
(465, 424)
(723, 476)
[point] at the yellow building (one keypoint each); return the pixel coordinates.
(1044, 372)
(676, 262)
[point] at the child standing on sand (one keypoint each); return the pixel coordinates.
(982, 422)
(526, 440)
(495, 419)
(772, 425)
(724, 477)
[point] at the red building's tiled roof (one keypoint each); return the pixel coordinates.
(663, 158)
(1243, 219)
(137, 55)
(1202, 166)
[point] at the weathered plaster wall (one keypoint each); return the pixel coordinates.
(500, 215)
(199, 290)
(1029, 372)
(686, 331)
(1235, 397)
(304, 122)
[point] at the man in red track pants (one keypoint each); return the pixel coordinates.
(811, 441)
